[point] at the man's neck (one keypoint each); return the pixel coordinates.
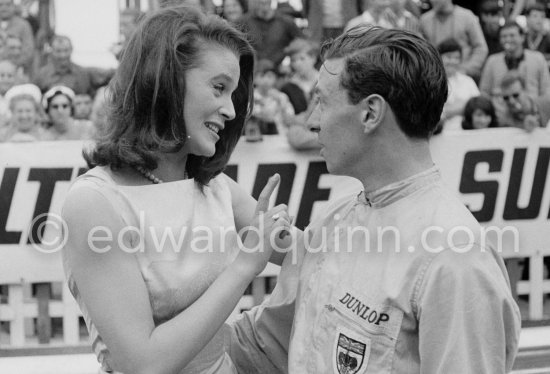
(391, 166)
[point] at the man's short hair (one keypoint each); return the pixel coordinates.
(449, 45)
(400, 66)
(512, 77)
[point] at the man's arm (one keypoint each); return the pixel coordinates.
(259, 339)
(486, 81)
(473, 65)
(468, 320)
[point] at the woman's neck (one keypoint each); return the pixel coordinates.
(171, 167)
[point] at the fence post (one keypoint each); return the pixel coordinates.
(536, 295)
(17, 325)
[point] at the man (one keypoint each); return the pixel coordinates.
(61, 71)
(531, 65)
(522, 110)
(491, 14)
(270, 32)
(447, 20)
(537, 39)
(11, 24)
(419, 300)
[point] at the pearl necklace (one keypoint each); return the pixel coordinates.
(147, 174)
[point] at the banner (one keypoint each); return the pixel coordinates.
(501, 175)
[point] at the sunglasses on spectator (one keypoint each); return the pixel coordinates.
(60, 106)
(508, 97)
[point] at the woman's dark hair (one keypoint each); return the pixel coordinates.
(479, 102)
(449, 45)
(146, 95)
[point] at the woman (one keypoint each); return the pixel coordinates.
(25, 123)
(479, 113)
(156, 293)
(58, 105)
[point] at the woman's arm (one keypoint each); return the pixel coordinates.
(112, 287)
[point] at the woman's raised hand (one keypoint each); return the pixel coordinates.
(265, 227)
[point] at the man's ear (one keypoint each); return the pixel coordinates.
(373, 112)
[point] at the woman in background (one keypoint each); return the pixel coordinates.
(479, 113)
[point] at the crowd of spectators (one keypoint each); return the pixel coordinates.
(496, 57)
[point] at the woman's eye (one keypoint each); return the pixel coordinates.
(219, 87)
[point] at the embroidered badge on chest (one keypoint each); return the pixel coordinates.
(352, 355)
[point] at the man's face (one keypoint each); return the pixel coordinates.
(82, 106)
(337, 122)
(511, 40)
(61, 52)
(7, 9)
(535, 21)
(515, 98)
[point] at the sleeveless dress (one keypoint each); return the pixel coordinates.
(200, 240)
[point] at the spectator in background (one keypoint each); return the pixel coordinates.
(536, 38)
(7, 81)
(272, 109)
(447, 20)
(531, 65)
(60, 70)
(327, 18)
(461, 86)
(25, 124)
(376, 13)
(491, 14)
(14, 52)
(269, 31)
(303, 56)
(82, 106)
(58, 105)
(233, 10)
(522, 110)
(479, 113)
(12, 24)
